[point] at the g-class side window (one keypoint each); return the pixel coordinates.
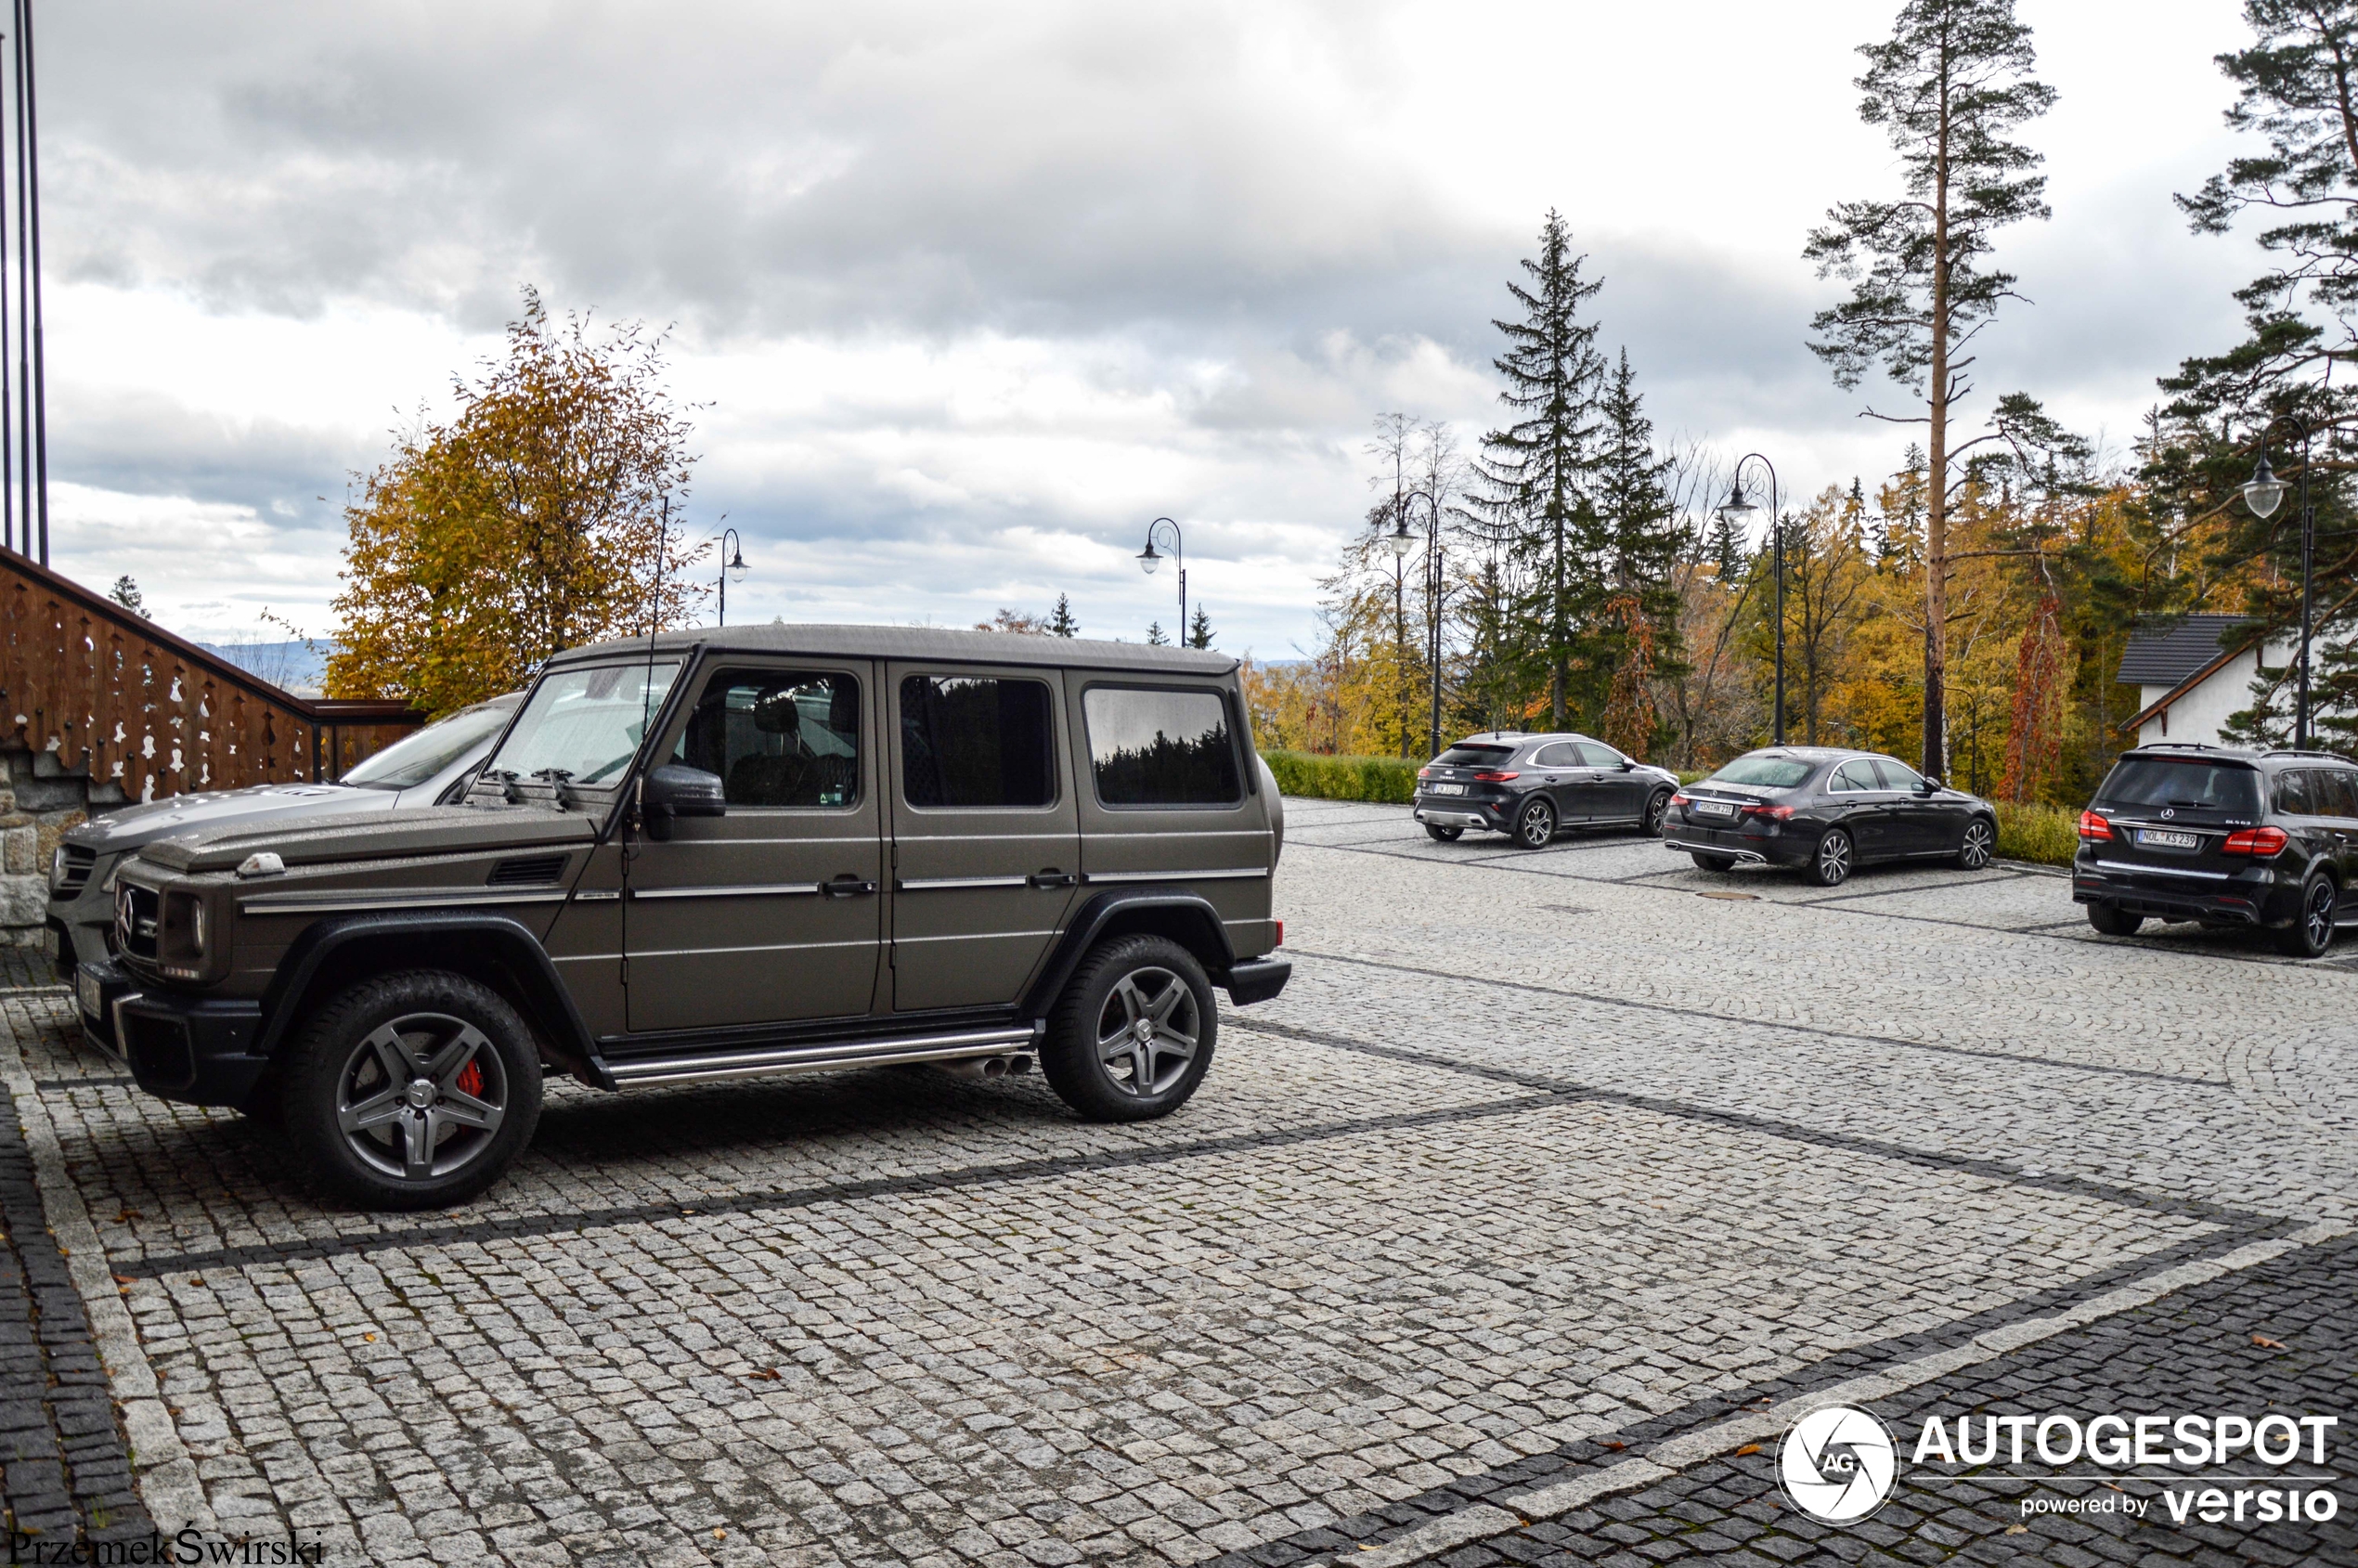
(974, 740)
(780, 738)
(1161, 747)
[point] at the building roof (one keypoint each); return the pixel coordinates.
(932, 643)
(2166, 652)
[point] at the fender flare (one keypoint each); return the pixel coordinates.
(551, 1005)
(1090, 921)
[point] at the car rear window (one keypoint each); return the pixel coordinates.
(1467, 754)
(2184, 783)
(1763, 772)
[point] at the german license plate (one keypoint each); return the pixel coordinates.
(1714, 809)
(2164, 838)
(1444, 789)
(85, 986)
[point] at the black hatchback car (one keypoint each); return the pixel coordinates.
(2256, 839)
(1828, 810)
(1528, 786)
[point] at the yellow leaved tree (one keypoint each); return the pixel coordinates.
(546, 514)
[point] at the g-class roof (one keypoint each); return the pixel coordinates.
(922, 642)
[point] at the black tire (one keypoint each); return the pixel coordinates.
(1656, 804)
(470, 1105)
(1830, 863)
(1979, 843)
(1534, 824)
(1443, 835)
(2313, 932)
(1094, 1056)
(1713, 862)
(2113, 921)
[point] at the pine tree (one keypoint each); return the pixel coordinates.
(1156, 636)
(126, 593)
(1060, 619)
(1725, 548)
(1538, 472)
(1200, 628)
(1645, 538)
(1950, 87)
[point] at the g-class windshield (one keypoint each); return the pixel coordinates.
(582, 726)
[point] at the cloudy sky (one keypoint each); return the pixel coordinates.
(974, 291)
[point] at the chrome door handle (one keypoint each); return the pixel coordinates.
(1052, 878)
(846, 887)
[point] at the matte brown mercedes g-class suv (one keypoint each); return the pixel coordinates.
(720, 854)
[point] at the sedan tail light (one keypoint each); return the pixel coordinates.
(2092, 826)
(1496, 778)
(1681, 798)
(1773, 814)
(2260, 842)
(1424, 773)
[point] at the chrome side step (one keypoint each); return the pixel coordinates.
(825, 1056)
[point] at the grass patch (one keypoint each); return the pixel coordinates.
(1385, 779)
(2043, 834)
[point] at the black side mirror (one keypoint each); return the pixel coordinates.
(1928, 787)
(1628, 766)
(676, 790)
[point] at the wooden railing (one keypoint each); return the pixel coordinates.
(108, 692)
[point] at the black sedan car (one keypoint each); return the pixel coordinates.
(1827, 810)
(1528, 786)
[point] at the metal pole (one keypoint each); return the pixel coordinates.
(8, 444)
(2308, 564)
(24, 299)
(32, 219)
(1777, 534)
(1433, 632)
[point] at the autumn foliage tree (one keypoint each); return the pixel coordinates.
(547, 514)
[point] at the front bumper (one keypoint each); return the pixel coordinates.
(188, 1048)
(1258, 979)
(2257, 897)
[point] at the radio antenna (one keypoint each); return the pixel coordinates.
(654, 618)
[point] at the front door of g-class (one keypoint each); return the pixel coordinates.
(986, 843)
(772, 913)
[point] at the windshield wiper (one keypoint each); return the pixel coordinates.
(508, 790)
(560, 784)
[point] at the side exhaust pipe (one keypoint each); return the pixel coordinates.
(988, 1066)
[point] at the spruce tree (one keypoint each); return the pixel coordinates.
(1634, 493)
(1156, 636)
(1537, 473)
(1950, 88)
(1060, 620)
(1200, 628)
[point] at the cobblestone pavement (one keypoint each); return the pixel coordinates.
(1543, 1164)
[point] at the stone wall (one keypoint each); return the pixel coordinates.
(38, 801)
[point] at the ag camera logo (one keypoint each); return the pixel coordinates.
(1838, 1464)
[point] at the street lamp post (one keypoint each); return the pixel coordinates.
(2264, 492)
(1400, 542)
(732, 566)
(1739, 507)
(1148, 560)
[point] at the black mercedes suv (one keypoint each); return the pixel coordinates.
(2228, 838)
(1528, 786)
(1827, 810)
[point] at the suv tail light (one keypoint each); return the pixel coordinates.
(1496, 778)
(2092, 826)
(2262, 841)
(1773, 814)
(1281, 935)
(1424, 773)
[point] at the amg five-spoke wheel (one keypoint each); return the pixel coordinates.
(1133, 1035)
(2313, 934)
(411, 1091)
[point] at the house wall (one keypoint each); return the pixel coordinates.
(2197, 716)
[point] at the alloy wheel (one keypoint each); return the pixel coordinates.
(2317, 915)
(1834, 860)
(1537, 825)
(1975, 852)
(420, 1096)
(1148, 1032)
(1655, 810)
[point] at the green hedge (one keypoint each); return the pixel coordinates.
(2048, 835)
(1386, 779)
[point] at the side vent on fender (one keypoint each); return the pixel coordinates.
(532, 871)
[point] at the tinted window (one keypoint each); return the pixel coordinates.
(1853, 776)
(2293, 794)
(1897, 775)
(778, 737)
(1470, 754)
(1559, 753)
(2335, 793)
(1596, 756)
(1162, 748)
(1764, 771)
(969, 739)
(415, 758)
(2159, 781)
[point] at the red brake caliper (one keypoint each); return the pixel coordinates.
(470, 1078)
